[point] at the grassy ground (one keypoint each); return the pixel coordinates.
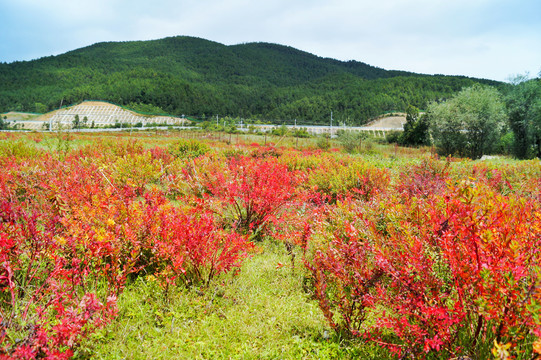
(261, 313)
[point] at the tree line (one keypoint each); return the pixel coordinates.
(481, 120)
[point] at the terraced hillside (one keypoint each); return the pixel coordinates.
(99, 114)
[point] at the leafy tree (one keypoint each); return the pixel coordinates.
(393, 136)
(524, 107)
(350, 140)
(415, 128)
(412, 114)
(76, 122)
(280, 131)
(41, 108)
(446, 129)
(469, 124)
(301, 133)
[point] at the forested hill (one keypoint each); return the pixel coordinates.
(186, 75)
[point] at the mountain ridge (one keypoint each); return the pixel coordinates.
(189, 75)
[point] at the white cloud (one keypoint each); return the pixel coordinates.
(485, 38)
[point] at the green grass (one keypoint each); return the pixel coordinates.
(260, 313)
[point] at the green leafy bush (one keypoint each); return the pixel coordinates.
(188, 148)
(350, 140)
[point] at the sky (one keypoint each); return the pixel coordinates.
(491, 39)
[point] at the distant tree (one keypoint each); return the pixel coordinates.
(145, 108)
(392, 137)
(206, 125)
(280, 131)
(76, 122)
(350, 140)
(41, 108)
(415, 129)
(524, 107)
(469, 124)
(446, 129)
(3, 124)
(301, 133)
(412, 113)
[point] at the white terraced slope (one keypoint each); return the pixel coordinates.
(102, 114)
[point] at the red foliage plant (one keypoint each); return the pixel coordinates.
(426, 179)
(193, 248)
(451, 274)
(256, 191)
(70, 237)
(44, 302)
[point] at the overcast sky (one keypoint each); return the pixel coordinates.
(491, 39)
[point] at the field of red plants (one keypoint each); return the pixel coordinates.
(425, 257)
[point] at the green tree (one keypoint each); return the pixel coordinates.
(76, 122)
(350, 140)
(524, 107)
(415, 129)
(469, 124)
(412, 114)
(280, 131)
(446, 129)
(41, 108)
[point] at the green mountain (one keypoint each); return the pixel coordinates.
(186, 75)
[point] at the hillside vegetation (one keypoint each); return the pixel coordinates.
(185, 75)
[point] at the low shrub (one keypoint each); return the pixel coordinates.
(188, 148)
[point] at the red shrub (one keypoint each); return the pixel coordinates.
(194, 249)
(455, 272)
(46, 302)
(257, 192)
(343, 276)
(426, 179)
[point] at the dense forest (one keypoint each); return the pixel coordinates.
(186, 75)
